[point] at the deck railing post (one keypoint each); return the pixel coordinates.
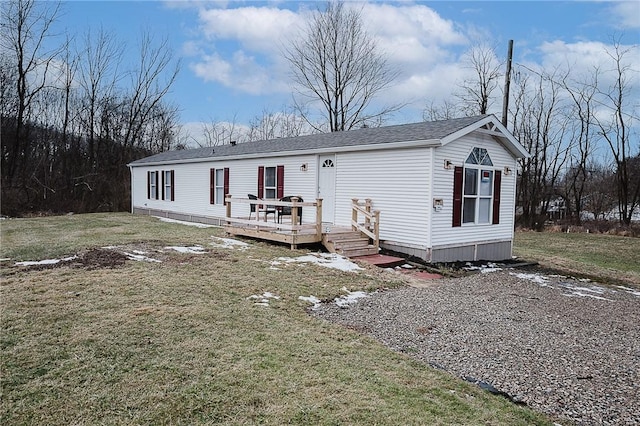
(319, 218)
(376, 228)
(354, 213)
(294, 213)
(228, 205)
(367, 217)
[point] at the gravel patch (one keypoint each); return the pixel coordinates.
(565, 347)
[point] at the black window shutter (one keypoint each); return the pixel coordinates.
(157, 184)
(226, 184)
(280, 182)
(457, 195)
(148, 185)
(497, 183)
(162, 190)
(260, 181)
(173, 185)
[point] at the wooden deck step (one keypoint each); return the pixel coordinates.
(382, 261)
(367, 250)
(340, 236)
(348, 243)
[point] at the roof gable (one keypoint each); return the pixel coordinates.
(434, 133)
(492, 126)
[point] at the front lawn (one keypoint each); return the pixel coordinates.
(182, 341)
(599, 256)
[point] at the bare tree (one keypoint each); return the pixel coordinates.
(617, 131)
(219, 132)
(272, 125)
(540, 125)
(26, 26)
(599, 191)
(444, 111)
(336, 62)
(150, 82)
(581, 145)
(475, 93)
(100, 58)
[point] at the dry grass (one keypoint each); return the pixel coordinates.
(178, 342)
(606, 258)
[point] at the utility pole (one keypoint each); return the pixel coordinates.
(507, 82)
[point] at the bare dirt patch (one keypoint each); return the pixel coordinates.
(99, 258)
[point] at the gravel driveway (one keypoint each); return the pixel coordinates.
(564, 347)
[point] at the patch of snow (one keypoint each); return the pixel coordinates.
(311, 299)
(536, 278)
(483, 269)
(139, 252)
(192, 249)
(5, 259)
(140, 258)
(630, 290)
(349, 298)
(229, 243)
(263, 299)
(328, 260)
(184, 222)
(45, 261)
(580, 294)
(594, 289)
(407, 266)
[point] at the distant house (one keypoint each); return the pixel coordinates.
(445, 190)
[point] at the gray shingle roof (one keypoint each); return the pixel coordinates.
(433, 130)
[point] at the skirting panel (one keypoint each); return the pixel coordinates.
(499, 250)
(420, 253)
(209, 220)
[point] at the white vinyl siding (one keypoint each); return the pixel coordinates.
(442, 231)
(397, 182)
(192, 186)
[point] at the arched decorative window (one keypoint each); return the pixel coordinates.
(477, 190)
(327, 163)
(479, 156)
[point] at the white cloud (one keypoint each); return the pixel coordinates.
(415, 39)
(255, 28)
(582, 58)
(626, 14)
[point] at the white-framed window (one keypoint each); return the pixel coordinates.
(168, 185)
(219, 186)
(270, 184)
(152, 185)
(477, 197)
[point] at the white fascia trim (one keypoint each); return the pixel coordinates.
(505, 136)
(357, 148)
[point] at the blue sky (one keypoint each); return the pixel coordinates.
(232, 69)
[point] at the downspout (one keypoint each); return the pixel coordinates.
(131, 179)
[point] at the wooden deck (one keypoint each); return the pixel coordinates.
(289, 230)
(357, 239)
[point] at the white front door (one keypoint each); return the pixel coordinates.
(327, 186)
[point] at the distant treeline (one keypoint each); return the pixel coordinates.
(74, 114)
